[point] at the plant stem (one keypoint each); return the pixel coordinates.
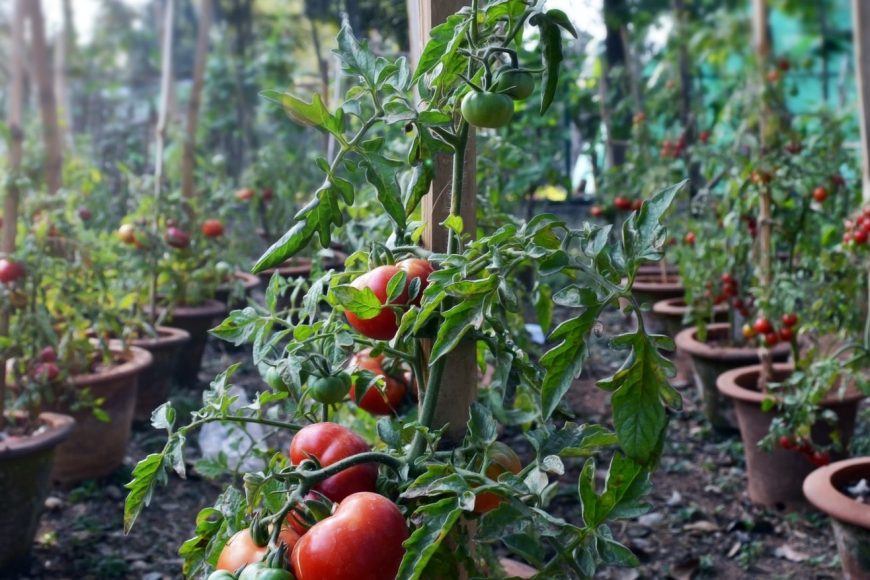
(310, 478)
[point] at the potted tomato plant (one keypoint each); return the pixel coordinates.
(438, 510)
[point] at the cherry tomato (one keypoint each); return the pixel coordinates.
(516, 84)
(245, 194)
(274, 379)
(704, 136)
(771, 339)
(48, 354)
(596, 211)
(46, 372)
(860, 237)
(85, 214)
(763, 326)
(384, 325)
(748, 331)
(127, 233)
(790, 319)
(820, 194)
(261, 571)
(416, 268)
(176, 238)
(362, 541)
(485, 109)
(785, 442)
(268, 194)
(622, 203)
(820, 458)
(212, 228)
(374, 401)
(241, 550)
(786, 334)
(329, 443)
(727, 278)
(329, 390)
(500, 459)
(10, 271)
(690, 239)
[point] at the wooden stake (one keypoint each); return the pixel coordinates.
(459, 382)
(47, 103)
(189, 154)
(10, 205)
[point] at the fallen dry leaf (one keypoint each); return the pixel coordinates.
(787, 552)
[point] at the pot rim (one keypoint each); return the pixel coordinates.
(210, 308)
(60, 427)
(821, 492)
(646, 283)
(166, 336)
(137, 359)
(687, 341)
(727, 383)
(249, 280)
(678, 307)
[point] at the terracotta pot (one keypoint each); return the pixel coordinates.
(656, 270)
(154, 382)
(649, 289)
(197, 321)
(709, 360)
(250, 282)
(849, 518)
(775, 478)
(670, 314)
(25, 470)
(96, 448)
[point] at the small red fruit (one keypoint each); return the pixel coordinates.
(176, 238)
(10, 271)
(860, 237)
(771, 339)
(690, 238)
(212, 228)
(704, 136)
(596, 211)
(727, 278)
(786, 334)
(85, 214)
(820, 458)
(245, 194)
(622, 203)
(820, 194)
(790, 319)
(127, 233)
(785, 442)
(268, 194)
(763, 326)
(48, 354)
(46, 372)
(773, 76)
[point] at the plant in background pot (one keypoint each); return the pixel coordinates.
(451, 509)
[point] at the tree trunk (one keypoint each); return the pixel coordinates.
(47, 104)
(687, 117)
(189, 154)
(618, 123)
(861, 36)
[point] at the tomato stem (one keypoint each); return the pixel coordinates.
(311, 478)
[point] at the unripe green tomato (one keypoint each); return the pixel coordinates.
(274, 379)
(516, 84)
(221, 575)
(260, 571)
(490, 110)
(330, 390)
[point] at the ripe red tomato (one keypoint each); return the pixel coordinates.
(10, 271)
(361, 540)
(790, 319)
(240, 549)
(820, 458)
(212, 228)
(622, 203)
(245, 194)
(596, 211)
(48, 354)
(127, 233)
(704, 136)
(500, 459)
(85, 214)
(820, 194)
(785, 442)
(384, 325)
(860, 237)
(416, 268)
(771, 339)
(786, 334)
(176, 238)
(46, 372)
(374, 400)
(763, 326)
(329, 443)
(690, 238)
(268, 194)
(727, 278)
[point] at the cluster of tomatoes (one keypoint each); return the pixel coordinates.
(728, 289)
(816, 457)
(247, 194)
(764, 329)
(494, 107)
(673, 148)
(45, 370)
(858, 229)
(173, 235)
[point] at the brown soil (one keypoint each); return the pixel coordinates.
(701, 524)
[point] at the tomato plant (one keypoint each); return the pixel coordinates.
(369, 396)
(483, 109)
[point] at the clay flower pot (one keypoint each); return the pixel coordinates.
(197, 321)
(96, 448)
(652, 288)
(712, 358)
(25, 470)
(671, 313)
(775, 478)
(849, 518)
(154, 382)
(250, 282)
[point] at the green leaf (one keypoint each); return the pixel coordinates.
(313, 114)
(416, 186)
(146, 475)
(296, 238)
(481, 425)
(396, 286)
(463, 317)
(438, 46)
(239, 326)
(643, 234)
(454, 224)
(437, 519)
(364, 303)
(564, 361)
(381, 173)
(551, 40)
(356, 58)
(573, 440)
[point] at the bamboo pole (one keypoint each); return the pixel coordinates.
(47, 103)
(189, 153)
(10, 204)
(761, 42)
(459, 382)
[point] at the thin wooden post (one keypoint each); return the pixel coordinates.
(861, 40)
(189, 154)
(47, 103)
(459, 382)
(10, 204)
